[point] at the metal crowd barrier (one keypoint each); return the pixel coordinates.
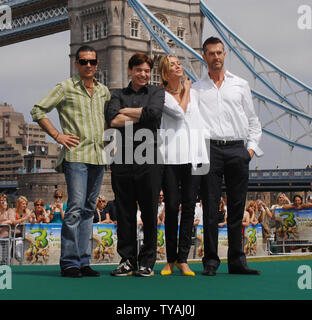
(18, 243)
(5, 245)
(280, 247)
(12, 244)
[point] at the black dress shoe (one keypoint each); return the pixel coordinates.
(72, 272)
(243, 270)
(209, 271)
(86, 271)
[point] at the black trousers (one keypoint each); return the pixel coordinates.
(232, 163)
(137, 184)
(179, 186)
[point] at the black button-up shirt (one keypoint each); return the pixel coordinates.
(151, 98)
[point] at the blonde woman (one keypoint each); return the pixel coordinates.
(100, 216)
(21, 212)
(179, 132)
(252, 209)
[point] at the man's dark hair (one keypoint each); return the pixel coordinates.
(85, 49)
(139, 58)
(211, 40)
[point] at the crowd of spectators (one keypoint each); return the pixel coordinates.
(54, 212)
(256, 211)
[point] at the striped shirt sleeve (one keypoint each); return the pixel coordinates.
(52, 100)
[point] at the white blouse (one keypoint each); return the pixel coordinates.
(183, 134)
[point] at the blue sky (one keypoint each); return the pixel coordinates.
(30, 69)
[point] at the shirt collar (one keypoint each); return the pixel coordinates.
(227, 75)
(77, 80)
(144, 89)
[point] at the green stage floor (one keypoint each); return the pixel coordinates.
(278, 281)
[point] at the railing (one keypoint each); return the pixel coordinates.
(278, 174)
(13, 3)
(36, 20)
(9, 184)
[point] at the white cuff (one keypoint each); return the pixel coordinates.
(253, 146)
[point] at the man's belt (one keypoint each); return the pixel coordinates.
(226, 142)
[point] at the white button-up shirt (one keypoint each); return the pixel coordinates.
(183, 134)
(228, 111)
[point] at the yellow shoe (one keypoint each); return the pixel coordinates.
(185, 273)
(167, 272)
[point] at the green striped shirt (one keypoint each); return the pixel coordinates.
(81, 115)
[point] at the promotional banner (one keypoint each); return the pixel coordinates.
(161, 243)
(293, 224)
(253, 241)
(222, 242)
(199, 242)
(42, 244)
(104, 244)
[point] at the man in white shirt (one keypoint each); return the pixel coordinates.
(226, 106)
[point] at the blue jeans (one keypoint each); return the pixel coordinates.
(83, 186)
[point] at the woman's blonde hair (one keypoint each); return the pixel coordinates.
(164, 68)
(21, 199)
(100, 198)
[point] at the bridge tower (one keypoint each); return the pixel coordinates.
(116, 32)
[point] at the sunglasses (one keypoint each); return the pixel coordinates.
(84, 62)
(38, 205)
(58, 197)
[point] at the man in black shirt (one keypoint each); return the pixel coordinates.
(136, 178)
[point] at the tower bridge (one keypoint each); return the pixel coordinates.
(112, 27)
(34, 18)
(117, 29)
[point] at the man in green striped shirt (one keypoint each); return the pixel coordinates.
(80, 102)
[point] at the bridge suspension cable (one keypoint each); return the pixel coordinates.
(166, 39)
(286, 116)
(259, 66)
